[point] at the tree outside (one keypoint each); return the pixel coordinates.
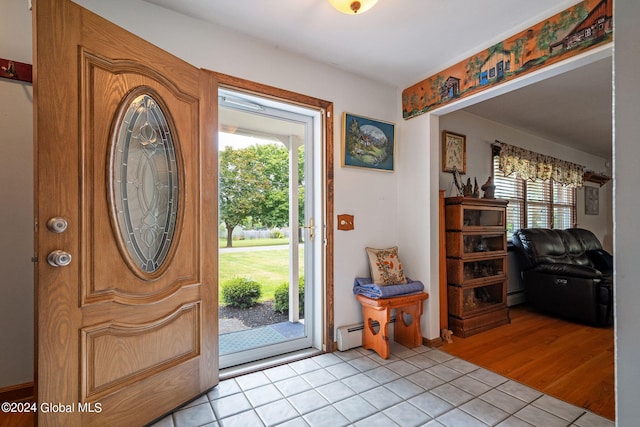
(242, 187)
(254, 187)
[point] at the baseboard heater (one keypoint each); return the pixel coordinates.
(350, 336)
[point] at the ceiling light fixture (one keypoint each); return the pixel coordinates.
(351, 7)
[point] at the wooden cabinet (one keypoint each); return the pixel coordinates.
(476, 264)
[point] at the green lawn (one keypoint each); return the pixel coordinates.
(269, 268)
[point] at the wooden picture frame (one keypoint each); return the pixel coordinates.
(454, 152)
(591, 200)
(368, 143)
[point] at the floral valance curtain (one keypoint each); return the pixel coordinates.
(534, 166)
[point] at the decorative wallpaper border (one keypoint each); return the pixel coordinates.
(577, 29)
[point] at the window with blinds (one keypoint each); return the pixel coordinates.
(534, 204)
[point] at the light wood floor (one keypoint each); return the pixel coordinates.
(567, 360)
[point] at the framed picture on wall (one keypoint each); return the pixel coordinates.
(591, 200)
(454, 152)
(368, 143)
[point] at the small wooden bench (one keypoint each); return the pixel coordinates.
(379, 310)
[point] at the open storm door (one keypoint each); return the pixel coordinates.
(126, 187)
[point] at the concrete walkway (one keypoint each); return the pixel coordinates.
(257, 248)
(226, 326)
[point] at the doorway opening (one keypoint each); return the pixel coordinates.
(270, 227)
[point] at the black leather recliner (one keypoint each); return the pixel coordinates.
(566, 273)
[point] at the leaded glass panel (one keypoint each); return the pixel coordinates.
(145, 182)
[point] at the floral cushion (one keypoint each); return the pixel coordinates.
(386, 268)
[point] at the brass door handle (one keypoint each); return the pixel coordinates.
(311, 227)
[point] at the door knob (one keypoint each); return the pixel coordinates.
(59, 258)
(57, 224)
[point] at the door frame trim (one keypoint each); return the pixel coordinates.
(239, 84)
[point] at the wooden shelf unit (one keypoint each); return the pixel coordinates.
(476, 239)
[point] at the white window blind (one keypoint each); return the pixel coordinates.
(534, 204)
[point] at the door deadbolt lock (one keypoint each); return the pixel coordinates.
(59, 258)
(57, 225)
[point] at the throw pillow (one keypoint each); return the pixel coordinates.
(386, 268)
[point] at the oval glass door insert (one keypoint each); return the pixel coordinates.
(144, 182)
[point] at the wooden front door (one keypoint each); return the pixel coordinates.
(126, 240)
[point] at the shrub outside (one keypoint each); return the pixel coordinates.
(281, 296)
(241, 292)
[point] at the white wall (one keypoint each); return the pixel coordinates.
(416, 182)
(418, 213)
(368, 195)
(16, 206)
(420, 177)
(481, 133)
(626, 164)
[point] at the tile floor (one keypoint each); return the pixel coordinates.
(414, 387)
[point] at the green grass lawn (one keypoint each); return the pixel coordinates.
(269, 268)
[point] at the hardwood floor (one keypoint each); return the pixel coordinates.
(17, 420)
(567, 360)
(17, 393)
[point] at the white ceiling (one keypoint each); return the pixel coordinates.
(401, 42)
